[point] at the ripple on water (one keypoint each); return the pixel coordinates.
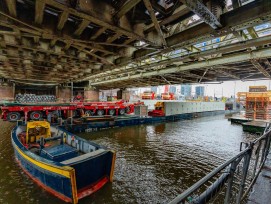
(154, 162)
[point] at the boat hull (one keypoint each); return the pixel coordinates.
(63, 180)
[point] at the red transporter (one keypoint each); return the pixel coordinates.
(14, 112)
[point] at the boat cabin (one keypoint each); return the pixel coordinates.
(37, 129)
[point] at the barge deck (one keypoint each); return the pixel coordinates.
(130, 120)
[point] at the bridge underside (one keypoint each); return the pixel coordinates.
(129, 43)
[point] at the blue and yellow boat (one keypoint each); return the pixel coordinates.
(63, 164)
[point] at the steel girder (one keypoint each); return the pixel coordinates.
(246, 56)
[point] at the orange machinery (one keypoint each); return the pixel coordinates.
(158, 111)
(168, 96)
(257, 102)
(148, 95)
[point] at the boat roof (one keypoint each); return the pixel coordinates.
(34, 124)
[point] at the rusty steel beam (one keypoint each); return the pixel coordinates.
(62, 19)
(128, 5)
(81, 27)
(113, 38)
(267, 63)
(39, 11)
(240, 57)
(58, 37)
(93, 54)
(258, 66)
(246, 16)
(11, 5)
(227, 73)
(252, 32)
(169, 19)
(196, 76)
(97, 21)
(203, 12)
(154, 20)
(182, 13)
(220, 50)
(98, 33)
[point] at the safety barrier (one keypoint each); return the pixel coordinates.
(232, 181)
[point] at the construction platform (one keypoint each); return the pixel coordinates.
(239, 119)
(255, 126)
(129, 120)
(262, 187)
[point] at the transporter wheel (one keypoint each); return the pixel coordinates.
(89, 112)
(13, 116)
(122, 111)
(35, 115)
(112, 112)
(100, 112)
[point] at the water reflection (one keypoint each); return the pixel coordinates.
(154, 162)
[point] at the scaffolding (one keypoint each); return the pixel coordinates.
(257, 102)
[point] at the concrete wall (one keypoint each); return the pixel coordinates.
(91, 95)
(64, 94)
(6, 93)
(175, 107)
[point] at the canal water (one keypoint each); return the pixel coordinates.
(154, 162)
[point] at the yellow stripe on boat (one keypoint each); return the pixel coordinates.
(112, 166)
(63, 171)
(74, 188)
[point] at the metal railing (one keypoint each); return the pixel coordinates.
(232, 181)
